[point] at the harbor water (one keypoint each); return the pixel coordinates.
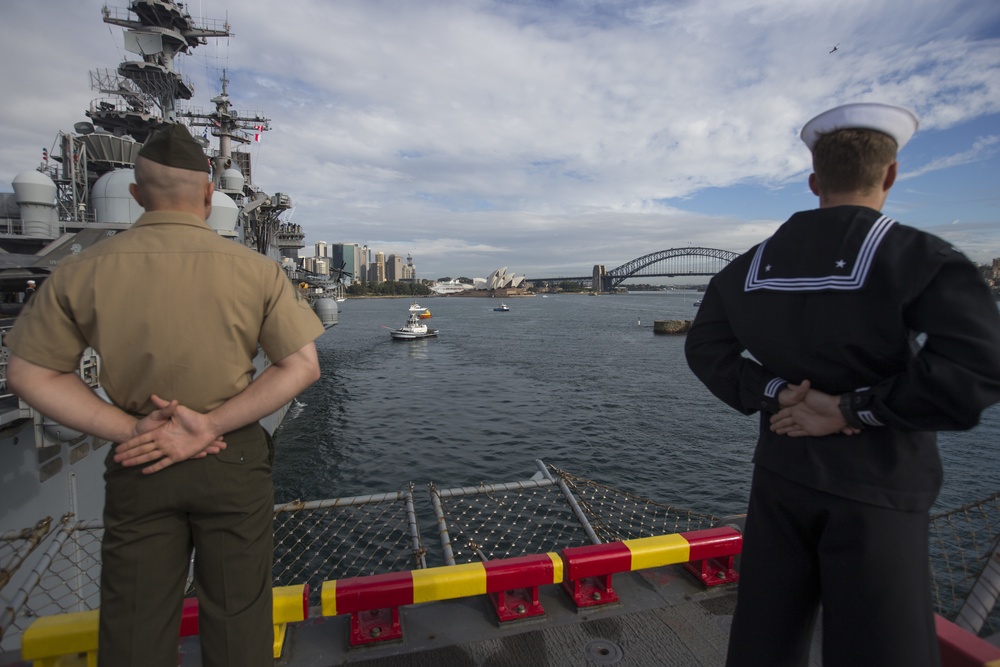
(578, 381)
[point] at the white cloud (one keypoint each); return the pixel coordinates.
(983, 148)
(538, 135)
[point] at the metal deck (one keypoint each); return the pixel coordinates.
(664, 618)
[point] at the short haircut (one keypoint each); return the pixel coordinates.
(164, 187)
(852, 160)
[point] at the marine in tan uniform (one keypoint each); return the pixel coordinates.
(176, 313)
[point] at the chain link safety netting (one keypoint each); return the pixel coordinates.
(63, 576)
(55, 566)
(965, 558)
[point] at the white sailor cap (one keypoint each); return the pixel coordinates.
(897, 122)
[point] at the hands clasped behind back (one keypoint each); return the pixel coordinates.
(808, 412)
(168, 435)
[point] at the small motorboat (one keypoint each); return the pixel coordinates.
(502, 308)
(414, 328)
(697, 303)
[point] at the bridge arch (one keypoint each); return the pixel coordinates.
(671, 263)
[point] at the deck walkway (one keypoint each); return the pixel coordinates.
(664, 618)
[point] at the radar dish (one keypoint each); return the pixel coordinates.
(83, 127)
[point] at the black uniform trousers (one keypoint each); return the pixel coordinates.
(222, 506)
(866, 565)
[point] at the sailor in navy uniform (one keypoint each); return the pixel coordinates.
(856, 338)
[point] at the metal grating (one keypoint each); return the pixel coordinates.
(55, 565)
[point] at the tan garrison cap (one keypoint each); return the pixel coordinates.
(897, 122)
(174, 147)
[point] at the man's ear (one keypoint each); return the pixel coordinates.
(133, 190)
(208, 199)
(813, 184)
(890, 176)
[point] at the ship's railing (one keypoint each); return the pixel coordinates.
(11, 226)
(965, 560)
(65, 561)
(376, 534)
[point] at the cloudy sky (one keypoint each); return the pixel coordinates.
(552, 136)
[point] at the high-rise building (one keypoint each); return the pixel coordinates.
(316, 265)
(394, 268)
(344, 261)
(321, 249)
(376, 271)
(361, 254)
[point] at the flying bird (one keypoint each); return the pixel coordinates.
(834, 48)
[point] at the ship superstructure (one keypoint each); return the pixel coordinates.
(82, 182)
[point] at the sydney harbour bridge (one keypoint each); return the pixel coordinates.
(670, 263)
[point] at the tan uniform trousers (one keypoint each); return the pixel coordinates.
(222, 507)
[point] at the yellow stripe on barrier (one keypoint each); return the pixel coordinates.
(659, 550)
(447, 582)
(328, 598)
(557, 567)
(50, 638)
(289, 607)
(58, 640)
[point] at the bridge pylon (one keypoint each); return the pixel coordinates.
(601, 282)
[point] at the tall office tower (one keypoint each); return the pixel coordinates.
(321, 249)
(344, 261)
(322, 267)
(377, 270)
(394, 268)
(361, 262)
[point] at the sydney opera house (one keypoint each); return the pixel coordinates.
(500, 283)
(501, 280)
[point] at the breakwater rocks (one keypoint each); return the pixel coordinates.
(671, 326)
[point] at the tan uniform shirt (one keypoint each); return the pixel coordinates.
(172, 308)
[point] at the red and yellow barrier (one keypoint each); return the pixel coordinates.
(708, 554)
(373, 602)
(49, 640)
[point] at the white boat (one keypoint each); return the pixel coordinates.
(413, 328)
(697, 303)
(502, 308)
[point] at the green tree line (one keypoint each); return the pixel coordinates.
(389, 288)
